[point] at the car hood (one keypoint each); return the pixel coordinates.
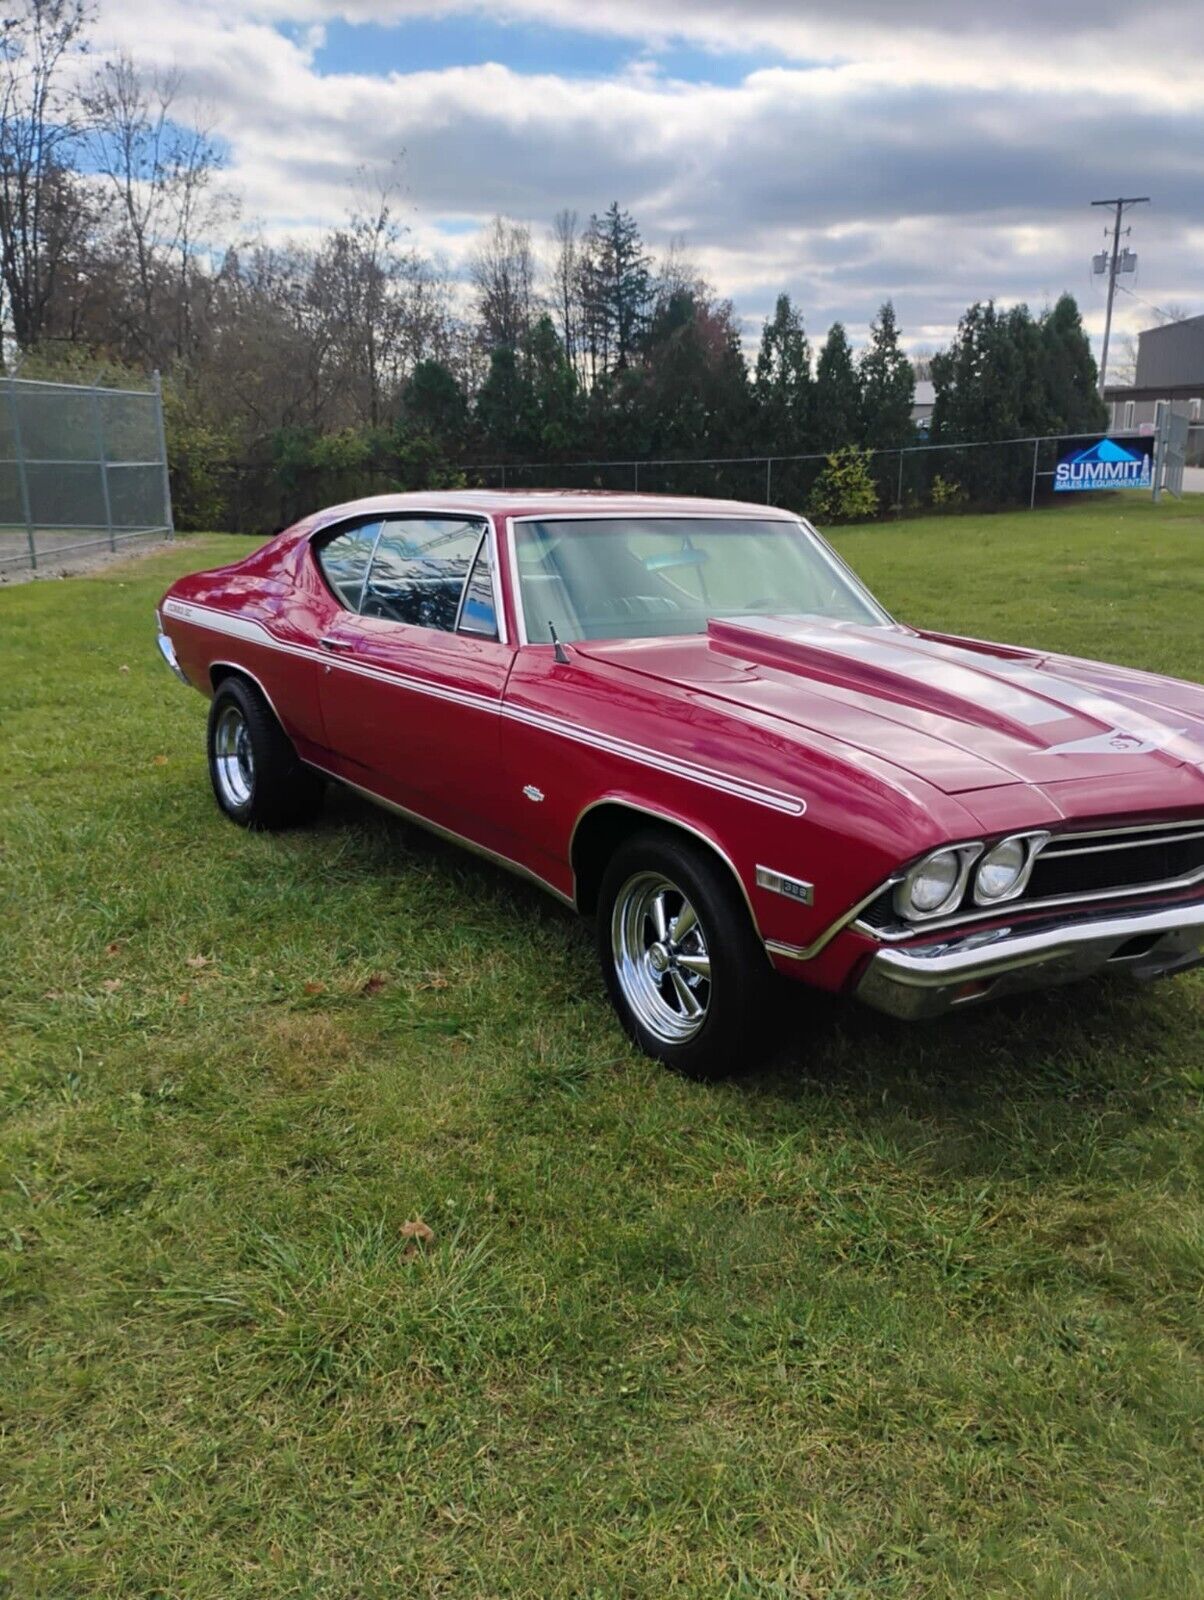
(958, 713)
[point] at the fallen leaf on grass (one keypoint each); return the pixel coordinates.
(113, 948)
(198, 961)
(123, 668)
(111, 985)
(183, 999)
(417, 1233)
(373, 985)
(435, 981)
(314, 987)
(160, 761)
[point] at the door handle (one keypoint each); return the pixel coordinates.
(332, 642)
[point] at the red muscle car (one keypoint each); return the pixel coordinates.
(689, 720)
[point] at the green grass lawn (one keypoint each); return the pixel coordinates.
(916, 1312)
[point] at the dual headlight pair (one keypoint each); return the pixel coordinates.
(935, 886)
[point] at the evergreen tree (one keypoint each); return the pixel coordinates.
(434, 406)
(553, 396)
(616, 289)
(976, 380)
(888, 386)
(783, 388)
(837, 393)
(695, 389)
(1072, 399)
(504, 405)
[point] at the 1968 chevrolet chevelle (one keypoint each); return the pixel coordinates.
(688, 719)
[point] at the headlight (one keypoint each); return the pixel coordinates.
(936, 884)
(1000, 870)
(1004, 871)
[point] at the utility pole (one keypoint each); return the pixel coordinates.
(1122, 204)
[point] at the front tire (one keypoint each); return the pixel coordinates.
(683, 964)
(258, 779)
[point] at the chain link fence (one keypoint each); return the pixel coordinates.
(81, 468)
(992, 474)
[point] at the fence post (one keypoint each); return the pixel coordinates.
(103, 463)
(21, 476)
(768, 480)
(635, 483)
(167, 511)
(1032, 493)
(899, 490)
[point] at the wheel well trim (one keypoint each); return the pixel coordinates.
(658, 814)
(244, 672)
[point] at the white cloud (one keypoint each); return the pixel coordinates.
(941, 162)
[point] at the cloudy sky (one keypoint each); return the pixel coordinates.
(937, 151)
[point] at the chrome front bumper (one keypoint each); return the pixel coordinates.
(926, 980)
(168, 651)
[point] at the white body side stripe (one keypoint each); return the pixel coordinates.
(256, 633)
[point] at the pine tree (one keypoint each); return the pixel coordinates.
(434, 406)
(504, 405)
(553, 397)
(888, 386)
(783, 388)
(1071, 375)
(837, 393)
(616, 290)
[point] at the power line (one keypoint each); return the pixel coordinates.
(1122, 204)
(1168, 316)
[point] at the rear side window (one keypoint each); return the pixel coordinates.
(419, 570)
(344, 560)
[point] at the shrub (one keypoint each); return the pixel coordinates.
(198, 454)
(946, 494)
(844, 490)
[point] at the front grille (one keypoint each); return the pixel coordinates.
(1087, 864)
(1094, 865)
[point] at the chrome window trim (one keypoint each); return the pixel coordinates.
(336, 530)
(443, 514)
(747, 514)
(474, 633)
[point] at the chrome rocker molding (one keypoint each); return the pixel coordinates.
(931, 979)
(450, 834)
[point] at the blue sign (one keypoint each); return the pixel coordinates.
(1107, 464)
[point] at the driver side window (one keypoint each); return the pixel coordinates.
(419, 572)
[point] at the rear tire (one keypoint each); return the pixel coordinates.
(258, 779)
(683, 964)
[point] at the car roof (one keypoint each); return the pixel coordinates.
(548, 502)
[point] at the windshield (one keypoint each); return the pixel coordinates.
(632, 577)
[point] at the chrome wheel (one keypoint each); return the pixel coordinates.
(661, 958)
(233, 763)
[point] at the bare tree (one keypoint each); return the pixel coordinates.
(566, 282)
(161, 177)
(39, 126)
(502, 269)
